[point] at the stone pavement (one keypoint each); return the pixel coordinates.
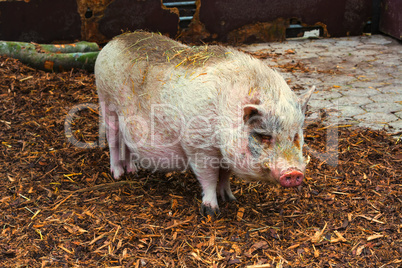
(358, 79)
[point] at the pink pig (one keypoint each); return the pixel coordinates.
(167, 106)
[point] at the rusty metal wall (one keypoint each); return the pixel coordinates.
(93, 20)
(100, 20)
(342, 17)
(131, 15)
(39, 20)
(391, 18)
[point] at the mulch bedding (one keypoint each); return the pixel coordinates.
(60, 206)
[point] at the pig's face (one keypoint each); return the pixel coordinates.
(273, 142)
(275, 146)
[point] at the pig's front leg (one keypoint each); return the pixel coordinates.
(224, 185)
(208, 178)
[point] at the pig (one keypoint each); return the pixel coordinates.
(212, 109)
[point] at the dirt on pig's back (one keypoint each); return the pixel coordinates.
(157, 49)
(138, 69)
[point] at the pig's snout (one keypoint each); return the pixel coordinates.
(291, 178)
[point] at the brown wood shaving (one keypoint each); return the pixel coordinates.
(60, 206)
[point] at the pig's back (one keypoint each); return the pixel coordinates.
(150, 68)
(152, 49)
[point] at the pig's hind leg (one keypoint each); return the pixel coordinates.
(129, 164)
(113, 137)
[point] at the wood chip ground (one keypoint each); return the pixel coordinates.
(60, 207)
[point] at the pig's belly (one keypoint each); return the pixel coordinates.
(155, 159)
(158, 155)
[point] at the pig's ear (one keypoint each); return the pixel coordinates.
(251, 110)
(303, 99)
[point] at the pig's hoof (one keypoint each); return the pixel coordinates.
(231, 198)
(228, 197)
(208, 210)
(117, 171)
(130, 170)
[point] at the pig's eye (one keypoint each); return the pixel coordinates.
(264, 138)
(296, 141)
